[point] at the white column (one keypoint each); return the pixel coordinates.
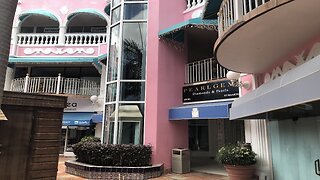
(58, 83)
(62, 31)
(256, 133)
(9, 77)
(26, 83)
(14, 39)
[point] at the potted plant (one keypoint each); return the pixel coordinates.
(239, 161)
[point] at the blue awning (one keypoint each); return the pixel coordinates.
(176, 32)
(216, 110)
(96, 118)
(76, 119)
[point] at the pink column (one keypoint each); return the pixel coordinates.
(165, 78)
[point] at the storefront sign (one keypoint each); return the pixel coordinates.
(76, 123)
(80, 105)
(210, 91)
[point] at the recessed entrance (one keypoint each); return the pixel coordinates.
(205, 139)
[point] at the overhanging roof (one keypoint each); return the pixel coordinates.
(41, 12)
(211, 9)
(86, 11)
(94, 60)
(296, 88)
(176, 32)
(215, 110)
(128, 111)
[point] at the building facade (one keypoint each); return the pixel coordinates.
(164, 88)
(278, 43)
(149, 66)
(57, 48)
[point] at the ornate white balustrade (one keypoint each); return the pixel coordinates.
(191, 4)
(231, 10)
(204, 70)
(69, 39)
(37, 39)
(86, 39)
(55, 85)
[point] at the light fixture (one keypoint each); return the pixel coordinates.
(234, 78)
(94, 99)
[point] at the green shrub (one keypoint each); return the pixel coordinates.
(236, 155)
(112, 155)
(90, 139)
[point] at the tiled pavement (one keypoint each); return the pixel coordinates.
(62, 175)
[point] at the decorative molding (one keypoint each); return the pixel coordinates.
(298, 60)
(59, 51)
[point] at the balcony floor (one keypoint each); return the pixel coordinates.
(255, 45)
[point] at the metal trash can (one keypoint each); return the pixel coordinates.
(180, 160)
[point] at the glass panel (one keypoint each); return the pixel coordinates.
(134, 51)
(111, 92)
(129, 132)
(132, 91)
(108, 126)
(131, 123)
(115, 15)
(135, 11)
(295, 146)
(113, 54)
(115, 2)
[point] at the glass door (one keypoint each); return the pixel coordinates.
(129, 132)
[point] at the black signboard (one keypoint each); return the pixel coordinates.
(210, 91)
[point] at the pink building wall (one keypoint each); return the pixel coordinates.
(165, 78)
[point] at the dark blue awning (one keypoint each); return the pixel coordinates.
(216, 110)
(96, 118)
(76, 119)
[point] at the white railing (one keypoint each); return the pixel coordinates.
(37, 39)
(194, 3)
(53, 39)
(204, 70)
(55, 85)
(231, 10)
(87, 39)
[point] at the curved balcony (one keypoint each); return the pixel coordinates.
(55, 85)
(255, 34)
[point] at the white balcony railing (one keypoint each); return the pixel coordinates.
(55, 85)
(204, 70)
(37, 39)
(69, 38)
(85, 39)
(191, 4)
(231, 10)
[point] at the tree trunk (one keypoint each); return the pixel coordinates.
(7, 11)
